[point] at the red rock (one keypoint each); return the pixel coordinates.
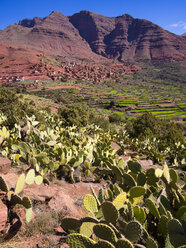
(5, 165)
(3, 215)
(88, 35)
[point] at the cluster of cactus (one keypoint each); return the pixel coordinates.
(11, 197)
(146, 208)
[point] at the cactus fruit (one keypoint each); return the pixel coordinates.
(177, 232)
(110, 212)
(124, 243)
(120, 200)
(105, 232)
(76, 240)
(30, 177)
(20, 184)
(136, 191)
(3, 185)
(70, 223)
(90, 203)
(133, 231)
(152, 208)
(151, 243)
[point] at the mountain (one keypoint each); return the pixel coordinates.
(125, 37)
(93, 36)
(53, 34)
(184, 35)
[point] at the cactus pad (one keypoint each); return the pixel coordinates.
(137, 191)
(124, 243)
(120, 200)
(90, 203)
(152, 208)
(70, 223)
(20, 184)
(104, 244)
(110, 212)
(133, 231)
(76, 240)
(26, 202)
(151, 243)
(3, 185)
(30, 177)
(105, 232)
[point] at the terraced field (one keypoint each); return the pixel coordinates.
(153, 90)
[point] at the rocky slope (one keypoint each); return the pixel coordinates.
(53, 34)
(126, 38)
(88, 35)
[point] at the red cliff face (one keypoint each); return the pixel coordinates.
(126, 38)
(89, 35)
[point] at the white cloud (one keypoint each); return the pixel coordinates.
(180, 24)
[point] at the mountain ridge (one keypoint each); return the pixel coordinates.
(94, 36)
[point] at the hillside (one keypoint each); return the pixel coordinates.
(88, 35)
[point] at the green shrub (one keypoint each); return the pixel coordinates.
(76, 114)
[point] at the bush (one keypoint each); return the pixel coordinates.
(114, 118)
(148, 126)
(76, 114)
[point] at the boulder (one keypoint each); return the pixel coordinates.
(3, 215)
(5, 165)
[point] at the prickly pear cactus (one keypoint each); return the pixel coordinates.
(124, 243)
(105, 232)
(177, 232)
(133, 231)
(3, 185)
(104, 244)
(90, 203)
(20, 184)
(77, 240)
(110, 212)
(70, 223)
(151, 243)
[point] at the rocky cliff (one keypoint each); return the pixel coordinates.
(92, 36)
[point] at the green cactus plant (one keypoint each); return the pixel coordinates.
(70, 223)
(124, 243)
(133, 231)
(151, 243)
(110, 212)
(152, 208)
(77, 240)
(105, 232)
(90, 203)
(177, 232)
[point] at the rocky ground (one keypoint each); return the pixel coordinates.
(50, 204)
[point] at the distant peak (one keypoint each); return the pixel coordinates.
(55, 13)
(127, 16)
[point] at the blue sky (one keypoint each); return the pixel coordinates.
(169, 14)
